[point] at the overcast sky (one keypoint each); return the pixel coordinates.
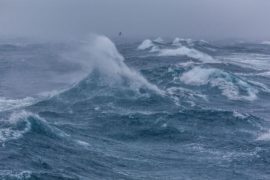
(198, 19)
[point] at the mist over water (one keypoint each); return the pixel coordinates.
(76, 104)
(68, 19)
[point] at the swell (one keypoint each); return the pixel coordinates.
(16, 124)
(97, 55)
(114, 123)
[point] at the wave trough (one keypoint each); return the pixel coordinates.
(163, 109)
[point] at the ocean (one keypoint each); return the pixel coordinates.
(154, 109)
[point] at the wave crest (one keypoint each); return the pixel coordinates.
(104, 57)
(229, 85)
(15, 126)
(146, 44)
(180, 47)
(189, 52)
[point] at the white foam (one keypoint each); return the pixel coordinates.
(188, 41)
(179, 51)
(9, 104)
(11, 132)
(197, 76)
(248, 60)
(146, 44)
(203, 41)
(186, 64)
(261, 86)
(159, 40)
(264, 136)
(83, 143)
(189, 52)
(190, 95)
(216, 78)
(239, 115)
(8, 174)
(227, 155)
(264, 74)
(19, 123)
(177, 42)
(154, 49)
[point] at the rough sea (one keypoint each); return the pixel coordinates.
(172, 109)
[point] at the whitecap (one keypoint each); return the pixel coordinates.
(10, 174)
(248, 60)
(264, 74)
(154, 49)
(239, 115)
(197, 76)
(266, 43)
(9, 104)
(159, 40)
(264, 136)
(189, 95)
(83, 143)
(146, 44)
(189, 52)
(177, 42)
(10, 131)
(229, 86)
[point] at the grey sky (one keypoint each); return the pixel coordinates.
(199, 19)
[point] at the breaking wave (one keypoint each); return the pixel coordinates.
(103, 56)
(230, 86)
(146, 44)
(180, 50)
(155, 109)
(9, 104)
(15, 126)
(184, 51)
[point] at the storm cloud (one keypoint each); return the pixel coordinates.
(198, 19)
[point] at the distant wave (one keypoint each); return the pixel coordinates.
(184, 51)
(146, 44)
(159, 40)
(266, 43)
(229, 85)
(180, 50)
(248, 60)
(179, 42)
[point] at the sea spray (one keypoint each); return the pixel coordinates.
(102, 55)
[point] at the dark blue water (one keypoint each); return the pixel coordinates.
(179, 109)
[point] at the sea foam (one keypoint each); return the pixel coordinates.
(11, 129)
(189, 52)
(146, 44)
(9, 104)
(229, 86)
(177, 50)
